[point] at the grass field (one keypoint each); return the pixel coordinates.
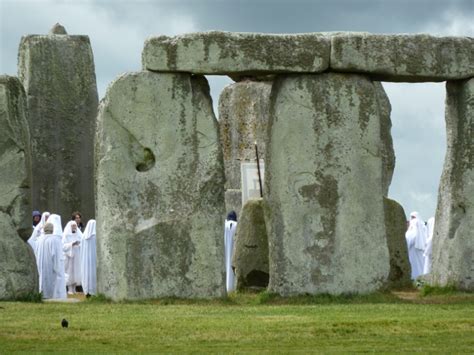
(257, 323)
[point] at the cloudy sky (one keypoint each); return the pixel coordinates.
(118, 28)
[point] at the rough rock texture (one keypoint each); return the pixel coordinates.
(324, 197)
(411, 58)
(15, 165)
(237, 53)
(58, 29)
(160, 189)
(453, 239)
(395, 225)
(243, 120)
(57, 72)
(388, 154)
(233, 201)
(18, 275)
(250, 258)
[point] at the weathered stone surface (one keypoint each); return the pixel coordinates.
(237, 53)
(18, 275)
(388, 154)
(233, 200)
(251, 247)
(160, 189)
(410, 58)
(58, 29)
(15, 165)
(243, 120)
(453, 239)
(395, 225)
(57, 72)
(324, 197)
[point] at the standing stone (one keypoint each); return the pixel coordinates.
(395, 225)
(453, 239)
(388, 154)
(18, 275)
(57, 71)
(243, 119)
(324, 197)
(251, 247)
(160, 189)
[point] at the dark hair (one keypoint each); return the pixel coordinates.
(74, 214)
(232, 216)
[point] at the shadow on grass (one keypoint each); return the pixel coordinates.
(427, 294)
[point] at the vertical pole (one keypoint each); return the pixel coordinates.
(258, 169)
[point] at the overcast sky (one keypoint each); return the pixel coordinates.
(118, 28)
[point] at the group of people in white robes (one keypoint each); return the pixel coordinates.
(230, 226)
(419, 239)
(64, 258)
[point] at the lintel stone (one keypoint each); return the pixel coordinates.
(218, 52)
(403, 58)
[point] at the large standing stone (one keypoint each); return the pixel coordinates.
(57, 71)
(18, 275)
(453, 239)
(160, 189)
(15, 165)
(251, 247)
(411, 58)
(388, 154)
(237, 53)
(323, 178)
(395, 225)
(243, 120)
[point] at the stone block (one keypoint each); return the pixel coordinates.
(250, 258)
(395, 225)
(243, 120)
(323, 186)
(18, 274)
(237, 54)
(403, 57)
(160, 189)
(453, 238)
(57, 72)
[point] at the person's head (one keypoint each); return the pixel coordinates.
(76, 217)
(232, 216)
(414, 215)
(48, 228)
(73, 227)
(36, 217)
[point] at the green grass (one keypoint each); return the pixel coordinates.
(257, 323)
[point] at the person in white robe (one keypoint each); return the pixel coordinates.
(416, 241)
(72, 238)
(89, 259)
(230, 226)
(50, 264)
(429, 246)
(37, 232)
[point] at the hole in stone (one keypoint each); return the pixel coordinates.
(257, 278)
(148, 161)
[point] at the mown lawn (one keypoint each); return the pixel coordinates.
(244, 323)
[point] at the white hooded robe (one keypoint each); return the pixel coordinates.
(37, 232)
(416, 240)
(229, 232)
(51, 267)
(429, 247)
(72, 254)
(89, 259)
